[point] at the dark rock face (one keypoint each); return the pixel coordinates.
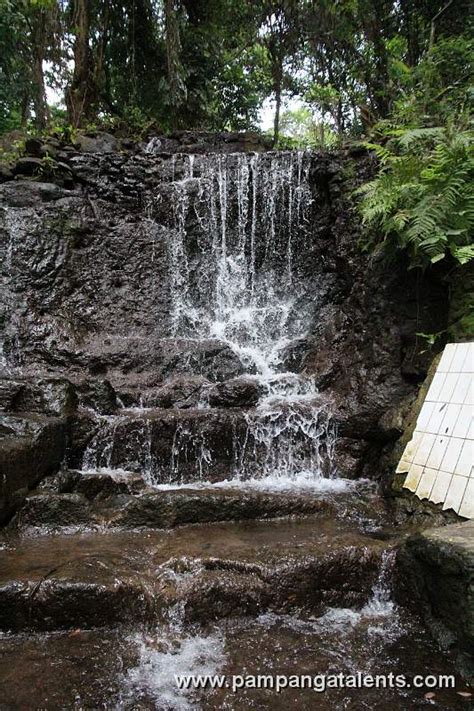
(169, 445)
(237, 392)
(30, 448)
(94, 297)
(350, 456)
(92, 274)
(50, 396)
(436, 577)
(181, 391)
(99, 395)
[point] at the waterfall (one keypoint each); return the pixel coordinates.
(237, 232)
(232, 228)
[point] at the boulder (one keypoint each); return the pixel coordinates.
(435, 576)
(99, 143)
(181, 391)
(6, 174)
(25, 193)
(236, 392)
(33, 447)
(33, 146)
(28, 166)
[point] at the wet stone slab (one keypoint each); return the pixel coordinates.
(132, 669)
(216, 570)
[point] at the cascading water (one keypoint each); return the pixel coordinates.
(237, 226)
(232, 278)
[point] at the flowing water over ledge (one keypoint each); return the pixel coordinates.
(235, 223)
(127, 669)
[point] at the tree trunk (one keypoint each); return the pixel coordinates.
(40, 105)
(173, 46)
(276, 122)
(81, 95)
(25, 107)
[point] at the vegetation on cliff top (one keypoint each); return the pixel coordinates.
(395, 75)
(211, 64)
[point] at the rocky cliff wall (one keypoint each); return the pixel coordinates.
(92, 270)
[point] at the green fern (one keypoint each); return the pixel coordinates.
(422, 200)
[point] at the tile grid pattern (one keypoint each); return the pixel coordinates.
(440, 456)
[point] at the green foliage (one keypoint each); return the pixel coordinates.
(12, 66)
(439, 86)
(300, 129)
(211, 64)
(422, 201)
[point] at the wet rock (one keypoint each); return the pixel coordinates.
(129, 398)
(51, 396)
(33, 448)
(9, 391)
(76, 290)
(237, 392)
(170, 445)
(99, 143)
(52, 511)
(89, 580)
(181, 392)
(174, 508)
(349, 457)
(212, 359)
(61, 482)
(5, 174)
(292, 356)
(28, 166)
(81, 429)
(98, 485)
(98, 395)
(22, 193)
(210, 595)
(435, 575)
(411, 512)
(78, 593)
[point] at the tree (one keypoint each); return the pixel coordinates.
(280, 36)
(81, 95)
(176, 87)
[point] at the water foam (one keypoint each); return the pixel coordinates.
(160, 659)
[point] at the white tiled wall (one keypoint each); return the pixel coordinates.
(439, 458)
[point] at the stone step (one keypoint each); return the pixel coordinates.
(163, 509)
(217, 570)
(85, 501)
(201, 444)
(132, 669)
